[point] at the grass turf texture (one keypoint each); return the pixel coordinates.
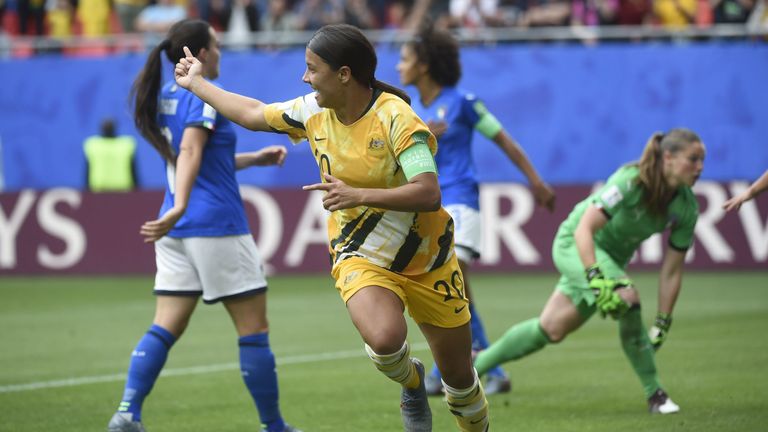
(52, 329)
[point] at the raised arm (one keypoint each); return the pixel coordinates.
(245, 111)
(542, 192)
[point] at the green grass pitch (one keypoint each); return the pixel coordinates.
(65, 345)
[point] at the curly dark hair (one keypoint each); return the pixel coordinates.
(439, 50)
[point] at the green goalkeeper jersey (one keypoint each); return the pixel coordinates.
(629, 222)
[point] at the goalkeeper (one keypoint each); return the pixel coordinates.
(593, 247)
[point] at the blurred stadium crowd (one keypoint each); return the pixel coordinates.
(62, 20)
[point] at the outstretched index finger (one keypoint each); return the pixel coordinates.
(187, 52)
(317, 186)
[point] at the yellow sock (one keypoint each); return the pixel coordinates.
(469, 406)
(396, 366)
(415, 381)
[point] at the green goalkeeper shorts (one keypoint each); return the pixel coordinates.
(573, 281)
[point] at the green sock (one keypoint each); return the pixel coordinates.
(638, 349)
(519, 341)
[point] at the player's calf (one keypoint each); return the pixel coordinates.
(469, 406)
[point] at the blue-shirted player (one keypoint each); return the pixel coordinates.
(431, 63)
(203, 245)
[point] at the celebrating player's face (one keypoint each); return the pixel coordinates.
(685, 166)
(321, 78)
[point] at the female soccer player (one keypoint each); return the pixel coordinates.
(391, 242)
(593, 247)
(431, 63)
(202, 241)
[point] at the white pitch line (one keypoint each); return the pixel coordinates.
(194, 370)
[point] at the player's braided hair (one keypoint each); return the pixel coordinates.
(657, 193)
(194, 34)
(345, 45)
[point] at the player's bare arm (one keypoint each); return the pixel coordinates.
(245, 111)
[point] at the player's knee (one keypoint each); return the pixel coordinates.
(383, 343)
(174, 325)
(250, 323)
(629, 295)
(249, 328)
(555, 336)
(553, 332)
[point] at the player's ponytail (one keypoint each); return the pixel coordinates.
(658, 194)
(144, 94)
(381, 85)
(192, 33)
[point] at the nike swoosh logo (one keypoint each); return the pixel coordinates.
(457, 309)
(320, 139)
(477, 421)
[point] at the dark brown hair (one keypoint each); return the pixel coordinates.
(439, 50)
(345, 45)
(195, 35)
(657, 193)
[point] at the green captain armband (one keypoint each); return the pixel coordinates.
(488, 125)
(417, 159)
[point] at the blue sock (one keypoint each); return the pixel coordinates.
(146, 362)
(257, 364)
(479, 339)
(435, 372)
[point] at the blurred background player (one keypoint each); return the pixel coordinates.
(203, 245)
(110, 160)
(430, 62)
(391, 241)
(754, 190)
(593, 247)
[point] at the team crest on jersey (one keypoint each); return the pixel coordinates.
(376, 144)
(441, 111)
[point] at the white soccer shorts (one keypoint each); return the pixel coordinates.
(468, 235)
(216, 267)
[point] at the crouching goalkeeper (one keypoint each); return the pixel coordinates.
(593, 247)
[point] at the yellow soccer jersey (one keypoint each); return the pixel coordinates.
(365, 155)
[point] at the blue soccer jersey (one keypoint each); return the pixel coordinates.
(456, 169)
(215, 207)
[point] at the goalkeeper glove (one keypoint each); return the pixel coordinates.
(607, 300)
(660, 329)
